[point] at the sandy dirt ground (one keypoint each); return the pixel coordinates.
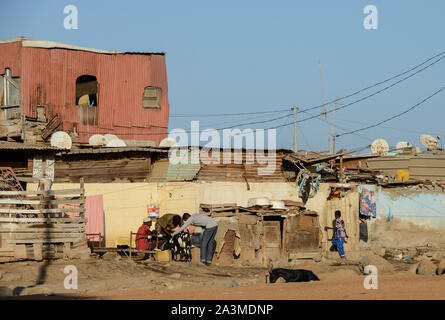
(121, 278)
(337, 286)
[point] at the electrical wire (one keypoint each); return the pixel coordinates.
(333, 101)
(396, 115)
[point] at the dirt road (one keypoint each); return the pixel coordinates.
(340, 285)
(125, 279)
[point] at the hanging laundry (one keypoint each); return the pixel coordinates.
(367, 201)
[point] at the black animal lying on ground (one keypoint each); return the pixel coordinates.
(299, 275)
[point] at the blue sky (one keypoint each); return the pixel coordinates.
(254, 56)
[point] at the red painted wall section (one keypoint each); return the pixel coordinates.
(49, 78)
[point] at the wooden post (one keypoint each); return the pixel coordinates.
(131, 236)
(82, 196)
(67, 250)
(38, 251)
(341, 169)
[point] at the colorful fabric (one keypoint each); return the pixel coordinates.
(367, 202)
(339, 228)
(142, 241)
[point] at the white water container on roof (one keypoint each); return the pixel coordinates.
(61, 139)
(403, 144)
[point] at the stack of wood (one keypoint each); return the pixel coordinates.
(36, 225)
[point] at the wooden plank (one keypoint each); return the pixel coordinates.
(61, 240)
(67, 250)
(44, 230)
(36, 211)
(39, 202)
(248, 219)
(42, 235)
(45, 220)
(44, 193)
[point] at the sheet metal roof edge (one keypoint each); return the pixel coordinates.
(46, 44)
(7, 145)
(111, 150)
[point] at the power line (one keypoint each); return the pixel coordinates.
(332, 101)
(384, 81)
(224, 114)
(394, 116)
(366, 97)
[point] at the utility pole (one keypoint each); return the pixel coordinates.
(325, 109)
(294, 109)
(332, 128)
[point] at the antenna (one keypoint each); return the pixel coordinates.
(97, 140)
(61, 139)
(428, 141)
(379, 147)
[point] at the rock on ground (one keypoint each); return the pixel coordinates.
(82, 253)
(426, 268)
(378, 251)
(441, 267)
(383, 266)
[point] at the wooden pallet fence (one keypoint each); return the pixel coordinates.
(36, 225)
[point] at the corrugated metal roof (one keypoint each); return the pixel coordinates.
(182, 172)
(6, 145)
(186, 170)
(113, 150)
(26, 42)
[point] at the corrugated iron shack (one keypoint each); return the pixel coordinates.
(47, 86)
(256, 235)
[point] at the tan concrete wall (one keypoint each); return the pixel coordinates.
(125, 204)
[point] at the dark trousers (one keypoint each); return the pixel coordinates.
(207, 244)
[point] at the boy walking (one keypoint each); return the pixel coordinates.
(340, 233)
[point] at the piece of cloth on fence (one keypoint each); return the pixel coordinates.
(367, 201)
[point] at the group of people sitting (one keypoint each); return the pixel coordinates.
(170, 225)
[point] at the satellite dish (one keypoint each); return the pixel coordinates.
(97, 140)
(108, 137)
(168, 143)
(428, 141)
(379, 147)
(61, 139)
(116, 143)
(403, 144)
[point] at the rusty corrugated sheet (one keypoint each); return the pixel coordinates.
(10, 58)
(49, 78)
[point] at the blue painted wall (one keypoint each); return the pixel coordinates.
(418, 206)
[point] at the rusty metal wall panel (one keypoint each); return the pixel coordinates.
(51, 79)
(10, 58)
(158, 77)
